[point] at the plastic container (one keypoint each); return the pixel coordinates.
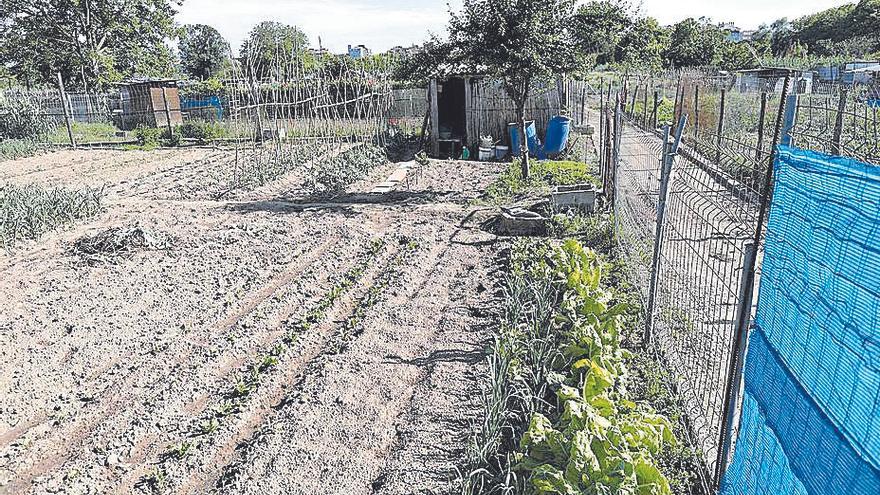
(501, 151)
(531, 137)
(485, 154)
(558, 130)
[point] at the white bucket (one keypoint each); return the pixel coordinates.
(485, 154)
(501, 151)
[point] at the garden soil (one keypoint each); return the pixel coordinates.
(124, 375)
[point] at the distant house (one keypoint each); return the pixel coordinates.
(854, 73)
(319, 52)
(732, 32)
(399, 51)
(358, 51)
(848, 73)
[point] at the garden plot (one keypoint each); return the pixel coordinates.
(329, 330)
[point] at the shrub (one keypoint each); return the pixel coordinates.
(148, 137)
(203, 130)
(333, 174)
(544, 173)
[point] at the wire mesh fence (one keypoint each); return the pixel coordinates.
(712, 209)
(840, 120)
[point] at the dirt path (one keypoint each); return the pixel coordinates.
(126, 377)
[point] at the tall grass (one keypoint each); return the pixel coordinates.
(11, 149)
(28, 212)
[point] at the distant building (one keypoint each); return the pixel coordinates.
(732, 32)
(399, 51)
(358, 51)
(319, 52)
(765, 79)
(854, 72)
(149, 102)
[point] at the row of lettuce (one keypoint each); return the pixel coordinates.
(562, 412)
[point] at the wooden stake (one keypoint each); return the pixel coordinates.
(64, 106)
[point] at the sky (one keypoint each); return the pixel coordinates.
(382, 24)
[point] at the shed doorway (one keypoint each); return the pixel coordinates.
(451, 115)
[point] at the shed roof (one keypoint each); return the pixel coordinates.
(145, 80)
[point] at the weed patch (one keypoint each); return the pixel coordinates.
(28, 212)
(544, 174)
(11, 149)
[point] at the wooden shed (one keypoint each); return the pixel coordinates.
(150, 102)
(450, 101)
(465, 107)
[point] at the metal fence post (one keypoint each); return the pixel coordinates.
(787, 106)
(838, 123)
(615, 150)
(632, 107)
(696, 110)
(656, 108)
(733, 388)
(668, 157)
(759, 153)
(601, 129)
(66, 109)
(791, 104)
(720, 127)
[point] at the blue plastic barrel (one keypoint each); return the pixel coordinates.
(531, 137)
(557, 134)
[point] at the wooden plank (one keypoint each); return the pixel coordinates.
(435, 119)
(468, 114)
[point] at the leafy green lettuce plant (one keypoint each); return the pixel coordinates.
(597, 441)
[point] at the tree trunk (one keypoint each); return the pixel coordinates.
(523, 145)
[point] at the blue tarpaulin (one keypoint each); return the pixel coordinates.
(197, 103)
(810, 419)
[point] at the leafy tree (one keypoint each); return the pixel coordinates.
(831, 25)
(203, 51)
(424, 63)
(866, 16)
(599, 27)
(737, 56)
(848, 30)
(643, 45)
(99, 41)
(517, 41)
(693, 42)
(271, 45)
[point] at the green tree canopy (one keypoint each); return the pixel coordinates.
(272, 46)
(599, 27)
(516, 41)
(693, 42)
(93, 41)
(851, 30)
(643, 45)
(203, 51)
